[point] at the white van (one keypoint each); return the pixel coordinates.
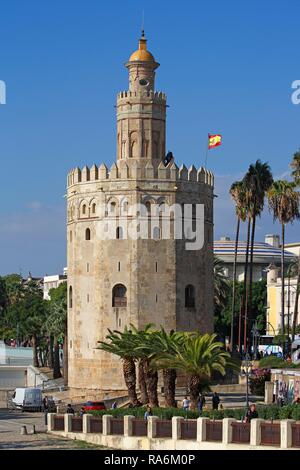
(28, 399)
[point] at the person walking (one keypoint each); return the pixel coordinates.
(148, 412)
(114, 405)
(251, 413)
(70, 410)
(215, 401)
(46, 409)
(201, 403)
(82, 412)
(186, 403)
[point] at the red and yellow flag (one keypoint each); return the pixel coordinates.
(214, 140)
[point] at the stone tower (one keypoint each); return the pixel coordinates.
(118, 272)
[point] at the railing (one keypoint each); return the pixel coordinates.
(96, 425)
(214, 430)
(270, 434)
(59, 423)
(296, 435)
(240, 433)
(117, 426)
(163, 428)
(139, 427)
(189, 429)
(76, 425)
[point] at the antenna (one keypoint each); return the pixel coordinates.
(143, 23)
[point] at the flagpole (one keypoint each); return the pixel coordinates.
(206, 152)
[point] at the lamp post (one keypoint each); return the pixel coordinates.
(255, 337)
(247, 361)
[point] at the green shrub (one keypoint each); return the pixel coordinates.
(286, 412)
(296, 412)
(272, 362)
(257, 383)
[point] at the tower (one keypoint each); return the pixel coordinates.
(123, 266)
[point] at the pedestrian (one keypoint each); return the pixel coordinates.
(251, 413)
(114, 405)
(201, 403)
(82, 411)
(215, 401)
(148, 412)
(186, 403)
(70, 410)
(46, 409)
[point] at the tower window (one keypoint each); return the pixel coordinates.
(84, 209)
(87, 234)
(156, 266)
(88, 267)
(88, 298)
(119, 298)
(190, 296)
(112, 209)
(119, 266)
(70, 297)
(119, 233)
(156, 233)
(71, 236)
(94, 208)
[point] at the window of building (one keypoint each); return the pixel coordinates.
(84, 209)
(88, 298)
(71, 236)
(70, 297)
(119, 233)
(156, 266)
(87, 234)
(190, 296)
(119, 266)
(87, 267)
(94, 208)
(119, 298)
(156, 233)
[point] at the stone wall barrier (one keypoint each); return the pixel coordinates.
(106, 423)
(86, 423)
(255, 432)
(176, 427)
(50, 421)
(227, 430)
(286, 433)
(68, 422)
(201, 429)
(152, 426)
(128, 425)
(269, 387)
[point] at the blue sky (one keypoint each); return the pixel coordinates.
(225, 66)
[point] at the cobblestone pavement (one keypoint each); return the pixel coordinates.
(11, 438)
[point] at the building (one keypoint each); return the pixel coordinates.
(52, 282)
(265, 253)
(114, 279)
(274, 290)
(293, 248)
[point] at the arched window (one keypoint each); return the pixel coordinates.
(156, 233)
(119, 233)
(112, 207)
(88, 234)
(148, 207)
(84, 209)
(70, 297)
(190, 296)
(93, 208)
(119, 298)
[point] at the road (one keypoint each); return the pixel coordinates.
(11, 438)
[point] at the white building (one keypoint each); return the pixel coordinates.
(52, 282)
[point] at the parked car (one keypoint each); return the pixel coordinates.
(94, 405)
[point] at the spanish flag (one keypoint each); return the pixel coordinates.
(214, 140)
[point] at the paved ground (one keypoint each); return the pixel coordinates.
(11, 438)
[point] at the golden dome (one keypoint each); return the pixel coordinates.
(142, 54)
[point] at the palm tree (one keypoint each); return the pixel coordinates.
(164, 344)
(122, 344)
(295, 165)
(257, 180)
(221, 283)
(284, 205)
(237, 192)
(198, 356)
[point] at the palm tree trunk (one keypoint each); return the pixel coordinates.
(249, 301)
(35, 354)
(130, 380)
(51, 356)
(56, 366)
(295, 316)
(194, 386)
(142, 383)
(282, 281)
(151, 377)
(169, 378)
(234, 282)
(244, 303)
(65, 354)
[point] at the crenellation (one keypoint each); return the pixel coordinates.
(85, 174)
(94, 173)
(183, 172)
(173, 171)
(149, 171)
(192, 173)
(113, 174)
(162, 171)
(77, 175)
(103, 172)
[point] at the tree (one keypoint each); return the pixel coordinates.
(57, 328)
(123, 344)
(197, 356)
(238, 194)
(221, 284)
(295, 165)
(284, 205)
(257, 180)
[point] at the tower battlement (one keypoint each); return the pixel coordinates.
(121, 171)
(158, 96)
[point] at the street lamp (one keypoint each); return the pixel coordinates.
(247, 363)
(255, 337)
